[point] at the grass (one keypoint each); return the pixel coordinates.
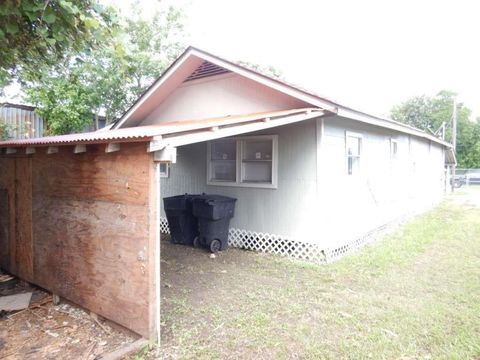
(414, 295)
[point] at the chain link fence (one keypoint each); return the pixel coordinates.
(467, 177)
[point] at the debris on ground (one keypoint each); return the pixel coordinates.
(42, 330)
(15, 302)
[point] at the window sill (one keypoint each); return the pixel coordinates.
(241, 184)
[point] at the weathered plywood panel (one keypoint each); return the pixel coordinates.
(91, 224)
(95, 255)
(4, 229)
(96, 175)
(7, 214)
(23, 218)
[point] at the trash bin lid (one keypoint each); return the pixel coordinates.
(215, 198)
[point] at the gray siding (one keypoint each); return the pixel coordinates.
(23, 123)
(325, 206)
(258, 209)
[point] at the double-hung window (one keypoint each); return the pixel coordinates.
(353, 150)
(249, 161)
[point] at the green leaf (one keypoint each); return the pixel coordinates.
(11, 28)
(50, 18)
(91, 23)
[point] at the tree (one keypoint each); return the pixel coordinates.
(107, 79)
(428, 113)
(35, 33)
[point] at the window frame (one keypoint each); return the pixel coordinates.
(166, 173)
(240, 143)
(393, 145)
(360, 137)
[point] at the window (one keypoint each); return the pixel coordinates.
(353, 148)
(164, 170)
(393, 149)
(223, 161)
(245, 161)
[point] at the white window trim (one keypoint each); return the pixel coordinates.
(238, 182)
(392, 155)
(359, 136)
(165, 174)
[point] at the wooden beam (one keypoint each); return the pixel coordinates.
(30, 150)
(112, 147)
(11, 150)
(168, 154)
(155, 143)
(52, 150)
(207, 135)
(81, 148)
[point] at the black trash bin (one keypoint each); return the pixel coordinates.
(183, 225)
(214, 213)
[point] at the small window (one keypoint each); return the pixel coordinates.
(393, 149)
(257, 161)
(246, 161)
(164, 170)
(223, 160)
(353, 145)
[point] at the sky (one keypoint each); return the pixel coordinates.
(366, 54)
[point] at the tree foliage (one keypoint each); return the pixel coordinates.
(429, 112)
(38, 33)
(107, 79)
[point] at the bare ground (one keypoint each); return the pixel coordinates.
(46, 331)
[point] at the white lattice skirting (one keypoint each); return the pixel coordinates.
(275, 244)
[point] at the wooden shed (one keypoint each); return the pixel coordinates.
(80, 220)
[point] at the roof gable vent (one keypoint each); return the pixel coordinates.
(206, 69)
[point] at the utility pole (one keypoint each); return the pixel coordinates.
(454, 138)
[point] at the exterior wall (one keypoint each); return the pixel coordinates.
(218, 96)
(324, 205)
(80, 225)
(385, 189)
(23, 122)
(259, 209)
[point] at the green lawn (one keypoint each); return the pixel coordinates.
(413, 295)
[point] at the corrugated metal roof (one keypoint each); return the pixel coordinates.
(146, 133)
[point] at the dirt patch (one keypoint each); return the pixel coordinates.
(48, 331)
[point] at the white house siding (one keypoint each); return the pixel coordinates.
(287, 211)
(217, 96)
(341, 208)
(385, 190)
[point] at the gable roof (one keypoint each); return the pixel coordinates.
(195, 63)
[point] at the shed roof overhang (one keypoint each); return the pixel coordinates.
(173, 134)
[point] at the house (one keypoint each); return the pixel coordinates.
(81, 214)
(22, 122)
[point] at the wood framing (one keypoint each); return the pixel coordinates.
(85, 229)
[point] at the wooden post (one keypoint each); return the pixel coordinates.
(454, 140)
(55, 299)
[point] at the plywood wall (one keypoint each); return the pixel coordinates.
(82, 228)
